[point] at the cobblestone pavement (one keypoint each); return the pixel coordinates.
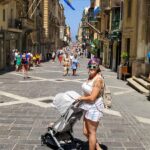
(24, 115)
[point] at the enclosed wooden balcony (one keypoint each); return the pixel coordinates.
(3, 2)
(15, 23)
(27, 23)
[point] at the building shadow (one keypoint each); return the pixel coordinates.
(148, 97)
(7, 70)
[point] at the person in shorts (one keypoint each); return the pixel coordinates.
(92, 103)
(18, 62)
(24, 63)
(66, 64)
(74, 64)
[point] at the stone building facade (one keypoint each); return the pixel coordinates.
(30, 25)
(120, 26)
(136, 35)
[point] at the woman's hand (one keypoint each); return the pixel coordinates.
(79, 98)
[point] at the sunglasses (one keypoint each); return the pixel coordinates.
(92, 66)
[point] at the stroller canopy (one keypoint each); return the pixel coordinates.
(62, 101)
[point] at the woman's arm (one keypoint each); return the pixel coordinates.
(98, 85)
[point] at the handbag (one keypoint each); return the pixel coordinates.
(107, 98)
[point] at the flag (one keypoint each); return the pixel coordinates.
(68, 2)
(97, 9)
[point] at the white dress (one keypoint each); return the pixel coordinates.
(93, 111)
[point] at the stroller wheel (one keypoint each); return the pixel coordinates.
(42, 140)
(48, 140)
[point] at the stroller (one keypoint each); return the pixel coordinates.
(60, 133)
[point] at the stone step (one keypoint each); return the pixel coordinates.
(145, 78)
(137, 86)
(142, 82)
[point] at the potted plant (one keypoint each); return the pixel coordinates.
(94, 46)
(124, 56)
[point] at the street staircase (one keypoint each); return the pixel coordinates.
(141, 84)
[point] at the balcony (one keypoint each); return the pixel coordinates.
(105, 4)
(15, 24)
(92, 4)
(3, 2)
(84, 25)
(116, 3)
(27, 23)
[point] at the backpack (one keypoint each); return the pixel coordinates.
(106, 95)
(107, 98)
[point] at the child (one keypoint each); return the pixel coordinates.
(75, 64)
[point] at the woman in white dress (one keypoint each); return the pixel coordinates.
(92, 103)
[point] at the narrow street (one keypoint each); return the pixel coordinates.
(26, 109)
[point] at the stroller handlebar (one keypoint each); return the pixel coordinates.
(76, 103)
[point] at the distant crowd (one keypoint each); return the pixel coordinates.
(68, 58)
(65, 56)
(23, 61)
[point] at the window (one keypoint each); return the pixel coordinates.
(3, 14)
(129, 8)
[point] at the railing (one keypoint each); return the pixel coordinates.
(116, 3)
(105, 3)
(27, 23)
(14, 23)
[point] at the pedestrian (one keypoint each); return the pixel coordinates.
(37, 59)
(81, 53)
(71, 56)
(74, 64)
(24, 63)
(34, 60)
(66, 64)
(92, 103)
(60, 56)
(18, 62)
(28, 56)
(148, 55)
(16, 53)
(53, 56)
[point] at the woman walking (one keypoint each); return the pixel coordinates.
(18, 62)
(24, 62)
(66, 62)
(74, 64)
(60, 56)
(53, 56)
(92, 103)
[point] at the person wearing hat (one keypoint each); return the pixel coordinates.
(92, 103)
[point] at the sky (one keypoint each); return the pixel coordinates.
(73, 17)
